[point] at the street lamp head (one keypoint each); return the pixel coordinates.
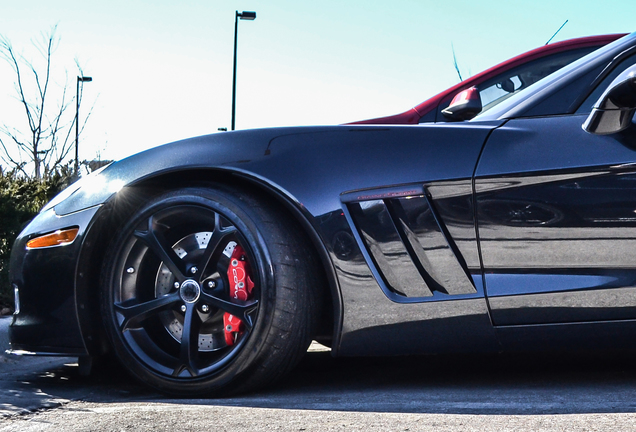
(84, 79)
(246, 15)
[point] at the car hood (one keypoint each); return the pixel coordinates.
(284, 158)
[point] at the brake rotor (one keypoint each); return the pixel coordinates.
(211, 335)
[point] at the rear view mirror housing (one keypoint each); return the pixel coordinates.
(614, 110)
(464, 106)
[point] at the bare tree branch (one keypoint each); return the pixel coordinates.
(7, 52)
(8, 158)
(47, 139)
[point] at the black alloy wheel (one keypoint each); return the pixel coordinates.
(197, 288)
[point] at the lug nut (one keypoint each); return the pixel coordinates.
(183, 308)
(211, 284)
(205, 308)
(176, 285)
(130, 270)
(194, 270)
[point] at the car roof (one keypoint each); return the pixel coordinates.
(414, 114)
(522, 102)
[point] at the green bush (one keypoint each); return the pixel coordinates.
(21, 199)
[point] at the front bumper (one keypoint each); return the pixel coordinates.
(47, 322)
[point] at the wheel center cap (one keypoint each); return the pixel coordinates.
(190, 291)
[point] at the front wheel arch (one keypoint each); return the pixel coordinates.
(117, 210)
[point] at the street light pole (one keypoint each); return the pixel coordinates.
(245, 15)
(80, 79)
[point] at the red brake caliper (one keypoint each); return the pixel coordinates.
(241, 287)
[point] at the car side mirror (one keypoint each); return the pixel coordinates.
(614, 110)
(464, 106)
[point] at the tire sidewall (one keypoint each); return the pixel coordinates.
(237, 212)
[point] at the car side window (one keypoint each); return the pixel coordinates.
(588, 103)
(500, 89)
(504, 85)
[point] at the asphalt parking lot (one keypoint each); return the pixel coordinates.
(512, 392)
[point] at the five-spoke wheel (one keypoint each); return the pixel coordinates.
(192, 285)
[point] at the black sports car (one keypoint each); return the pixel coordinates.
(209, 265)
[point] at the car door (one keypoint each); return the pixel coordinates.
(556, 214)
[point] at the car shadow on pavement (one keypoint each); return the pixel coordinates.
(459, 384)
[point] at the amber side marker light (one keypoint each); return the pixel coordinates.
(57, 238)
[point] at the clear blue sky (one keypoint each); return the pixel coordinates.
(162, 70)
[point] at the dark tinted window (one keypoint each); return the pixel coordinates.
(587, 104)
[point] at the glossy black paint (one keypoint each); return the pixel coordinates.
(389, 254)
(344, 158)
(47, 321)
(409, 245)
(558, 237)
(456, 237)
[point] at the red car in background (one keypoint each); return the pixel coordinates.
(494, 85)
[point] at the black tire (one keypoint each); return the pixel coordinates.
(173, 337)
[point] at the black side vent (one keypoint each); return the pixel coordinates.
(387, 250)
(409, 247)
(430, 244)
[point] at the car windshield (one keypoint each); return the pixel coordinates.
(523, 97)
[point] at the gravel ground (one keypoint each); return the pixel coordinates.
(467, 393)
(160, 416)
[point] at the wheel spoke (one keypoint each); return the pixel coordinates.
(134, 312)
(172, 302)
(222, 264)
(217, 240)
(240, 309)
(158, 244)
(189, 342)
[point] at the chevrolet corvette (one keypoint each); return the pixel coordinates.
(207, 266)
